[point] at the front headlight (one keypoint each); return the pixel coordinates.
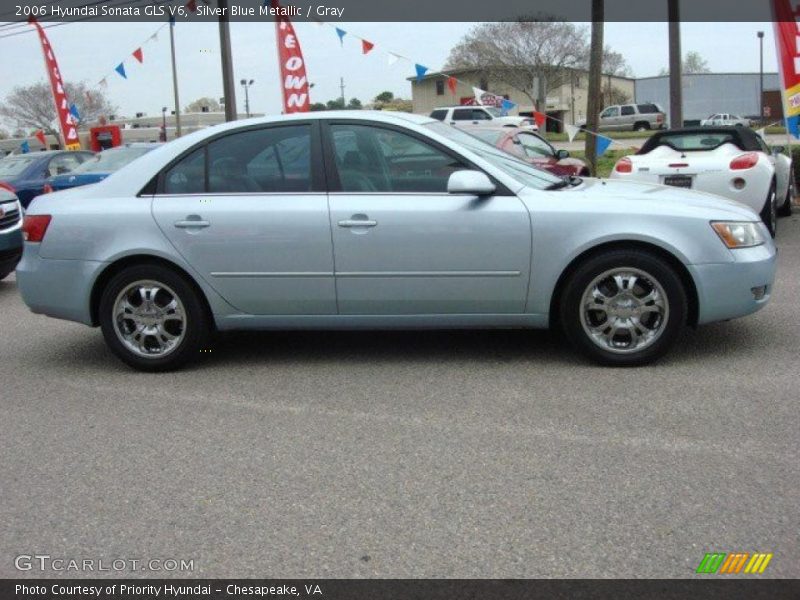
(739, 234)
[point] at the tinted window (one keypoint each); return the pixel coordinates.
(648, 109)
(479, 114)
(277, 159)
(188, 176)
(439, 115)
(440, 87)
(462, 114)
(374, 159)
(627, 110)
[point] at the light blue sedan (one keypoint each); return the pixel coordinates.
(382, 220)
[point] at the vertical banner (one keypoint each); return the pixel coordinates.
(787, 40)
(294, 83)
(69, 128)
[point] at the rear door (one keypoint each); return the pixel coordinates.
(403, 245)
(249, 211)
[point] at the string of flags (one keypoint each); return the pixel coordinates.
(137, 54)
(481, 96)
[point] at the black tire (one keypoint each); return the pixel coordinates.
(785, 209)
(641, 127)
(5, 273)
(195, 327)
(657, 270)
(769, 214)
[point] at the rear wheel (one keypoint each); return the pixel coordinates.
(152, 318)
(769, 214)
(641, 127)
(623, 307)
(786, 208)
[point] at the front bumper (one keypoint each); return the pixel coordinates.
(10, 249)
(57, 288)
(725, 291)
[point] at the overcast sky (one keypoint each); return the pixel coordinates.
(90, 51)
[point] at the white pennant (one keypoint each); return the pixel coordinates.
(571, 130)
(478, 93)
(762, 132)
(392, 58)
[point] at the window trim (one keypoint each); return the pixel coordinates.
(317, 172)
(332, 174)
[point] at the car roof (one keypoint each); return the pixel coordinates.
(743, 137)
(386, 116)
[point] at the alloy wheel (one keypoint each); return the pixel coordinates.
(149, 319)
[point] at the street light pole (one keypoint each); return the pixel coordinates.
(761, 76)
(175, 79)
(675, 66)
(246, 85)
(228, 86)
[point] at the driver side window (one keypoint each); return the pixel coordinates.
(374, 159)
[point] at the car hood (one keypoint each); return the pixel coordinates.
(643, 198)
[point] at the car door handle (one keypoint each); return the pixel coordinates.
(357, 223)
(188, 223)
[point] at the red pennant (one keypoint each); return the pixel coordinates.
(137, 54)
(540, 119)
(40, 136)
(366, 46)
(192, 5)
(451, 84)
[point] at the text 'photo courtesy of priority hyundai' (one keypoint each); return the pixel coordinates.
(380, 220)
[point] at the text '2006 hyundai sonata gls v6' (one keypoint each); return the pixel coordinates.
(377, 220)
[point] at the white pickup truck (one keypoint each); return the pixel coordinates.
(480, 115)
(723, 119)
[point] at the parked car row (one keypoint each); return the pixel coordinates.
(355, 219)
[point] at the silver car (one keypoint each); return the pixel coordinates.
(382, 220)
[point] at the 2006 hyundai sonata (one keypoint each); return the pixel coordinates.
(377, 220)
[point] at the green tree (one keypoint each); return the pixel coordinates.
(355, 104)
(384, 97)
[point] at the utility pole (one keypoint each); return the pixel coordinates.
(761, 76)
(341, 87)
(675, 66)
(174, 80)
(595, 82)
(228, 85)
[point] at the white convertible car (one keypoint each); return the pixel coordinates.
(732, 162)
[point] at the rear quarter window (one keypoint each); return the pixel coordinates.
(439, 115)
(647, 109)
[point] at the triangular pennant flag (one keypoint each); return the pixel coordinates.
(602, 144)
(154, 37)
(366, 46)
(137, 54)
(103, 83)
(120, 68)
(793, 125)
(73, 110)
(25, 147)
(540, 119)
(392, 58)
(341, 33)
(761, 132)
(420, 71)
(505, 106)
(478, 93)
(452, 84)
(40, 136)
(571, 130)
(192, 5)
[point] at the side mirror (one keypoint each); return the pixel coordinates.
(562, 154)
(475, 183)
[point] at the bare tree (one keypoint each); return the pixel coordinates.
(692, 63)
(198, 105)
(32, 107)
(518, 54)
(614, 63)
(613, 95)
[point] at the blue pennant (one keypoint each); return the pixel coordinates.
(120, 68)
(793, 125)
(506, 105)
(25, 147)
(74, 112)
(420, 72)
(602, 144)
(341, 33)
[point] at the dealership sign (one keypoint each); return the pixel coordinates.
(787, 40)
(294, 82)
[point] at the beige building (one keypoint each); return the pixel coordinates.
(566, 103)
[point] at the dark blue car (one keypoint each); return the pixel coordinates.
(100, 166)
(25, 174)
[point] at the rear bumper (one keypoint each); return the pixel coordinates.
(57, 288)
(725, 291)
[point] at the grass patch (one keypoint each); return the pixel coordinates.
(606, 162)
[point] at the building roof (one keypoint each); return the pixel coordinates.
(464, 70)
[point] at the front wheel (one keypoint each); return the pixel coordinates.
(769, 214)
(623, 307)
(152, 318)
(786, 208)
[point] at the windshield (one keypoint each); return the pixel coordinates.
(490, 136)
(495, 112)
(112, 159)
(519, 170)
(11, 166)
(695, 141)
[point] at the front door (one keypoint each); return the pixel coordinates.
(403, 245)
(250, 214)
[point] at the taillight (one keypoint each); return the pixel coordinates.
(34, 227)
(7, 186)
(624, 165)
(659, 118)
(744, 161)
(47, 188)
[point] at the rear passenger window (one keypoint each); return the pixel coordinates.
(439, 115)
(188, 176)
(647, 109)
(462, 114)
(627, 111)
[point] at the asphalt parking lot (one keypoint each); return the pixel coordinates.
(434, 454)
